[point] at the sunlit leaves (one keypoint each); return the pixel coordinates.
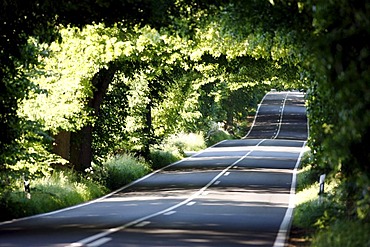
(66, 74)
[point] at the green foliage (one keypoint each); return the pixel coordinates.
(109, 136)
(31, 155)
(60, 190)
(308, 174)
(339, 98)
(65, 74)
(198, 64)
(308, 213)
(314, 211)
(216, 135)
(162, 158)
(18, 21)
(174, 148)
(123, 169)
(185, 142)
(344, 233)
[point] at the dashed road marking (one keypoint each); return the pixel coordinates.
(143, 223)
(99, 242)
(144, 220)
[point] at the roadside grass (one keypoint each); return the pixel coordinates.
(123, 169)
(344, 233)
(175, 147)
(321, 220)
(182, 142)
(161, 158)
(217, 136)
(61, 189)
(67, 188)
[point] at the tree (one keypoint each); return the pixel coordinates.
(340, 98)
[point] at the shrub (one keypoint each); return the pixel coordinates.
(344, 233)
(184, 142)
(217, 136)
(160, 158)
(311, 214)
(174, 148)
(123, 169)
(61, 189)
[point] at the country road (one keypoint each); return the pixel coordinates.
(235, 193)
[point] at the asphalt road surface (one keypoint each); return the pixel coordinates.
(236, 193)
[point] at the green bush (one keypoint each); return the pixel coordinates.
(312, 214)
(344, 233)
(123, 169)
(61, 189)
(174, 148)
(160, 158)
(217, 136)
(184, 142)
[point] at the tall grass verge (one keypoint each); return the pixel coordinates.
(60, 190)
(162, 158)
(344, 233)
(175, 148)
(123, 169)
(312, 211)
(217, 136)
(323, 219)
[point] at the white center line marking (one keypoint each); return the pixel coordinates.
(217, 182)
(139, 222)
(191, 203)
(281, 111)
(99, 242)
(143, 223)
(227, 174)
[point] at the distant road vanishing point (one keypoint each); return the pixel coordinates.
(235, 193)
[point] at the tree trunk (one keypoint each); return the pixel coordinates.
(229, 119)
(147, 132)
(81, 141)
(61, 145)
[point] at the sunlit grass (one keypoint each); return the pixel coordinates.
(344, 233)
(175, 148)
(60, 190)
(323, 218)
(162, 158)
(186, 142)
(310, 207)
(123, 169)
(217, 136)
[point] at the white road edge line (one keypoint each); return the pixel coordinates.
(287, 220)
(107, 195)
(110, 231)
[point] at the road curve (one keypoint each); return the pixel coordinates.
(236, 193)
